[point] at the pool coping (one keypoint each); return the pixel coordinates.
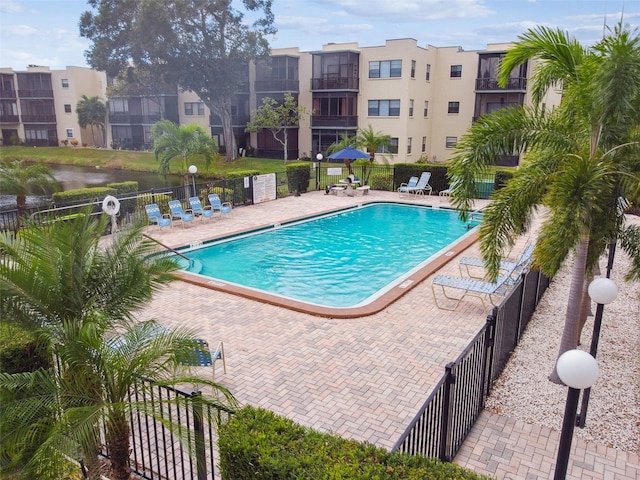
(375, 306)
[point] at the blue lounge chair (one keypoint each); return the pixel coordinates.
(420, 188)
(156, 217)
(177, 213)
(198, 210)
(404, 187)
(469, 287)
(509, 269)
(224, 208)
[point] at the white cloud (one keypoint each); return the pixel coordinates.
(412, 10)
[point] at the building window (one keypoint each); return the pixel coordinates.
(411, 107)
(384, 108)
(454, 107)
(424, 144)
(65, 83)
(428, 76)
(69, 132)
(456, 71)
(451, 142)
(392, 147)
(67, 108)
(385, 69)
(426, 108)
(194, 108)
(413, 69)
(409, 141)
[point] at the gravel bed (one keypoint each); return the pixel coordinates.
(524, 391)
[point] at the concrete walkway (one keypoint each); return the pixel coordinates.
(362, 378)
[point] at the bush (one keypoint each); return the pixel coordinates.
(259, 445)
(298, 176)
(20, 352)
(80, 195)
(381, 181)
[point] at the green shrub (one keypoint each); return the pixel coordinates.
(161, 199)
(298, 176)
(20, 352)
(259, 445)
(82, 194)
(381, 181)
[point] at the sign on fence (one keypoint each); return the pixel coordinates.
(264, 188)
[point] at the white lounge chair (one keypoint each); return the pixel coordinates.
(420, 188)
(469, 287)
(469, 265)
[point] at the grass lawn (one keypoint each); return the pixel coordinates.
(130, 160)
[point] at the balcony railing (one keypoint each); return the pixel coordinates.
(127, 119)
(334, 121)
(35, 93)
(519, 83)
(38, 118)
(9, 119)
(277, 85)
(236, 120)
(335, 83)
(7, 93)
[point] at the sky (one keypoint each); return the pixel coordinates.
(45, 32)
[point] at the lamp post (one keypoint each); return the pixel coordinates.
(319, 157)
(603, 291)
(578, 370)
(193, 170)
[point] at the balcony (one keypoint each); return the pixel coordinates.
(9, 119)
(485, 84)
(277, 86)
(7, 93)
(26, 118)
(127, 119)
(236, 120)
(35, 93)
(335, 121)
(335, 83)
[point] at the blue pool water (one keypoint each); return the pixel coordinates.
(340, 260)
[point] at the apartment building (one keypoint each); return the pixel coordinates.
(424, 98)
(37, 105)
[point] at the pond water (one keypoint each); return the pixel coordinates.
(70, 177)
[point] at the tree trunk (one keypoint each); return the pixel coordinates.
(285, 144)
(118, 443)
(570, 333)
(585, 306)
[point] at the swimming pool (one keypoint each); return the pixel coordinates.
(343, 260)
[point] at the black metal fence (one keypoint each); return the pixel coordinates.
(449, 413)
(185, 451)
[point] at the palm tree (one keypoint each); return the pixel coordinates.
(92, 112)
(372, 141)
(81, 298)
(579, 158)
(17, 177)
(171, 141)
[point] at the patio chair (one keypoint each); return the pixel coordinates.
(202, 356)
(177, 213)
(404, 187)
(224, 208)
(469, 287)
(507, 268)
(198, 210)
(156, 217)
(420, 188)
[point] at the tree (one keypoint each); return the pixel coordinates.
(172, 141)
(91, 111)
(80, 297)
(204, 47)
(372, 141)
(579, 158)
(278, 118)
(17, 177)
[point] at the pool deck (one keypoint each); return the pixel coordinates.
(362, 378)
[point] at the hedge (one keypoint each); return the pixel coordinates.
(257, 444)
(298, 176)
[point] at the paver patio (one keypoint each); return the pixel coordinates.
(362, 378)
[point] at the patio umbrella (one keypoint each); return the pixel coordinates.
(349, 153)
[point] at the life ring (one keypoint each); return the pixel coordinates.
(110, 205)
